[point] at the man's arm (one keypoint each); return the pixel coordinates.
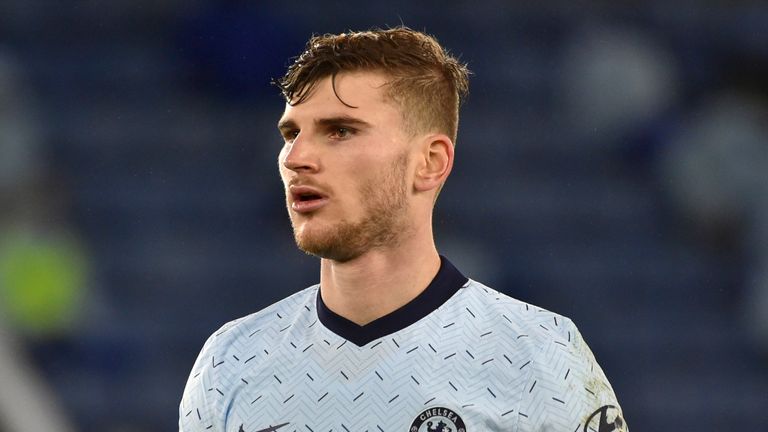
(568, 390)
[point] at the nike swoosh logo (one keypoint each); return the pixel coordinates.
(269, 429)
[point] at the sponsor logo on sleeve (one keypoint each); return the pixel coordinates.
(606, 419)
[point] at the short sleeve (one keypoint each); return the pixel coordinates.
(568, 390)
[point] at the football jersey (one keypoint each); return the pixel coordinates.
(460, 357)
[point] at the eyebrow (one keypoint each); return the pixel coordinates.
(289, 124)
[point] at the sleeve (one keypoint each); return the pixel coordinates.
(568, 390)
(200, 410)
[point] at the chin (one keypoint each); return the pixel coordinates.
(328, 251)
(333, 243)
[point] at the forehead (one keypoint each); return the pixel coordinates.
(359, 94)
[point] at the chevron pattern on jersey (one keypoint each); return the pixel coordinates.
(500, 364)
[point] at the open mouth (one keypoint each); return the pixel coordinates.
(307, 197)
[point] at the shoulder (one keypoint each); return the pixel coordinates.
(565, 387)
(530, 324)
(568, 389)
(260, 326)
(223, 354)
(547, 334)
(228, 347)
(558, 384)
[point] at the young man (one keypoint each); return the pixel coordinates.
(394, 338)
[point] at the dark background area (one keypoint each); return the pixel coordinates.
(611, 166)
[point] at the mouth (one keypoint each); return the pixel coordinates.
(305, 199)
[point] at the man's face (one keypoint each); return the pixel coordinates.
(346, 170)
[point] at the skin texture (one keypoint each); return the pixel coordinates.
(373, 232)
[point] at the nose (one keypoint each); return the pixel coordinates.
(299, 155)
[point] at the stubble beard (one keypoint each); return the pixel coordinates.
(384, 222)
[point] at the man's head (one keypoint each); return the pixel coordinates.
(424, 80)
(369, 126)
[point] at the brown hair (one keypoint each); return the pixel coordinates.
(426, 81)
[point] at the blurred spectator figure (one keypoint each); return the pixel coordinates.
(716, 168)
(42, 272)
(614, 82)
(42, 266)
(19, 138)
(716, 173)
(756, 299)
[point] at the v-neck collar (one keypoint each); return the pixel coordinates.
(446, 282)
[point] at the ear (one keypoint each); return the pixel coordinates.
(436, 161)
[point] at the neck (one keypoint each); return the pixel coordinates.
(381, 280)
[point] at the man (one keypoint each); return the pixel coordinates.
(394, 338)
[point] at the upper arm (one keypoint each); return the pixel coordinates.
(568, 390)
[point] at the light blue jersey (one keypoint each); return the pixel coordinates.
(461, 357)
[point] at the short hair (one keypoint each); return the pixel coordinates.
(426, 81)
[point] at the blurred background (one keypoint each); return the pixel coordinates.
(612, 165)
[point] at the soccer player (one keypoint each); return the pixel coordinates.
(394, 338)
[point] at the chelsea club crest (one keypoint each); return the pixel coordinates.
(438, 419)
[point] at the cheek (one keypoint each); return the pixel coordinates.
(280, 165)
(370, 186)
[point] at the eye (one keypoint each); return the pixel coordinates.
(290, 135)
(341, 132)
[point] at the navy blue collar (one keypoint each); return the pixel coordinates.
(447, 281)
